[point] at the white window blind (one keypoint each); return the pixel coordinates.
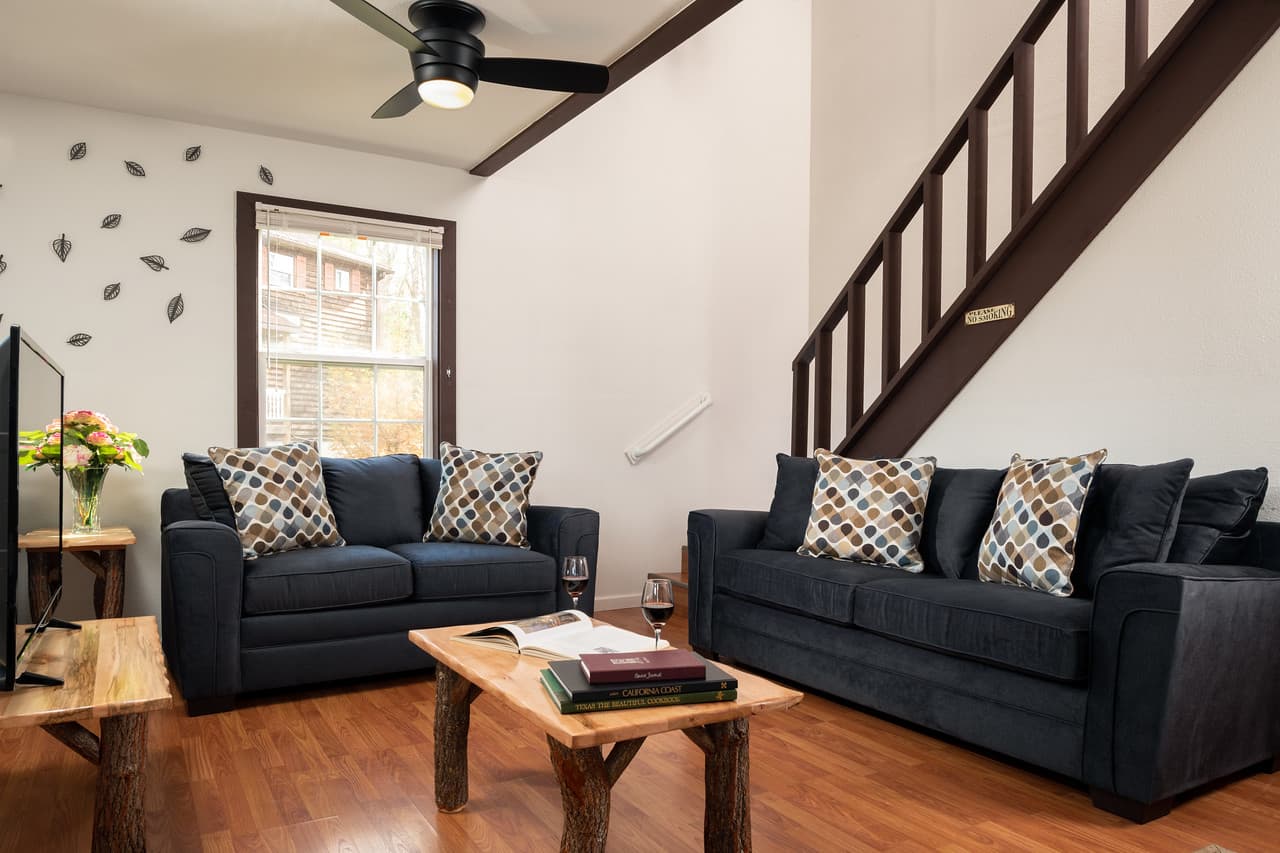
(345, 331)
(309, 222)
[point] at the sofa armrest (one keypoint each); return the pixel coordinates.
(712, 532)
(1185, 677)
(562, 531)
(202, 577)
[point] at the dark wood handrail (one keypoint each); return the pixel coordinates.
(1016, 67)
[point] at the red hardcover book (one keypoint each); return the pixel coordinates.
(661, 665)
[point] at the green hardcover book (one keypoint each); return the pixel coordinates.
(561, 699)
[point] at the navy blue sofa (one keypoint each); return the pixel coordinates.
(1154, 679)
(231, 626)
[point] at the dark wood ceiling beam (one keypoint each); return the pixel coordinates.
(687, 23)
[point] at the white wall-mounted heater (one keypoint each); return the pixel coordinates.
(675, 422)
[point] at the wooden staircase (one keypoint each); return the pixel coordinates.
(1164, 93)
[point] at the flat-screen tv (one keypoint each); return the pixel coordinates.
(31, 396)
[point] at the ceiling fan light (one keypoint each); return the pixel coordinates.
(445, 94)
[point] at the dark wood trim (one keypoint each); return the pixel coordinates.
(891, 308)
(800, 408)
(1024, 69)
(931, 263)
(1137, 28)
(855, 393)
(822, 392)
(444, 340)
(976, 244)
(687, 23)
(1077, 73)
(1198, 59)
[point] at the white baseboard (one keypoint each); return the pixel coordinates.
(617, 602)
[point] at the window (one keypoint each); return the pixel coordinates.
(348, 336)
(281, 270)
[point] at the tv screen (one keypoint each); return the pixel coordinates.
(31, 387)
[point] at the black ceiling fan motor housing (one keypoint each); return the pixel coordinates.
(450, 28)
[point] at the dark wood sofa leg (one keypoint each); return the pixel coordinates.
(1133, 810)
(211, 705)
(1271, 765)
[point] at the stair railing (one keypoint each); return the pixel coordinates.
(1017, 68)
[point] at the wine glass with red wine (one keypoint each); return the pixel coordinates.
(574, 575)
(657, 602)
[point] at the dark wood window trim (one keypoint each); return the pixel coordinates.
(444, 409)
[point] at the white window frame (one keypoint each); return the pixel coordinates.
(268, 402)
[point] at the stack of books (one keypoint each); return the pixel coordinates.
(613, 682)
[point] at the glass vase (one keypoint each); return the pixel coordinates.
(86, 485)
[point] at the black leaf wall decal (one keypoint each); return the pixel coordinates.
(135, 169)
(78, 151)
(194, 235)
(191, 154)
(156, 262)
(3, 266)
(111, 291)
(79, 339)
(111, 220)
(61, 247)
(265, 174)
(175, 308)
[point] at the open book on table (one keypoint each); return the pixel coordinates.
(566, 634)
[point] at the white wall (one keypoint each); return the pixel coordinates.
(654, 248)
(1161, 341)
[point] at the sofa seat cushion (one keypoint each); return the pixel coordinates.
(324, 578)
(470, 570)
(1005, 625)
(815, 586)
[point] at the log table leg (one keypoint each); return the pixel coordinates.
(79, 739)
(118, 817)
(584, 790)
(107, 567)
(726, 822)
(42, 573)
(454, 695)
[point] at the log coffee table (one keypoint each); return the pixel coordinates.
(720, 730)
(114, 672)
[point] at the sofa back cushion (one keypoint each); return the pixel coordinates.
(429, 472)
(378, 500)
(961, 503)
(1130, 516)
(792, 501)
(1217, 519)
(207, 494)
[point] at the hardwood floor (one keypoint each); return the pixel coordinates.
(349, 768)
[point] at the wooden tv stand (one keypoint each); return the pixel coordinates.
(114, 672)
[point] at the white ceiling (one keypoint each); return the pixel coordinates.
(301, 69)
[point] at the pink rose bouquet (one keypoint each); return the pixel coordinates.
(82, 439)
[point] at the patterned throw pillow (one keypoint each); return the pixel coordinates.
(869, 511)
(484, 497)
(1032, 538)
(278, 497)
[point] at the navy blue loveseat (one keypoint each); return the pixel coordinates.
(231, 626)
(1155, 678)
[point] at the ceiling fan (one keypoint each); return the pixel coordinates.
(448, 59)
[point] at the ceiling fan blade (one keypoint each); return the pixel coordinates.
(400, 103)
(555, 75)
(380, 21)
